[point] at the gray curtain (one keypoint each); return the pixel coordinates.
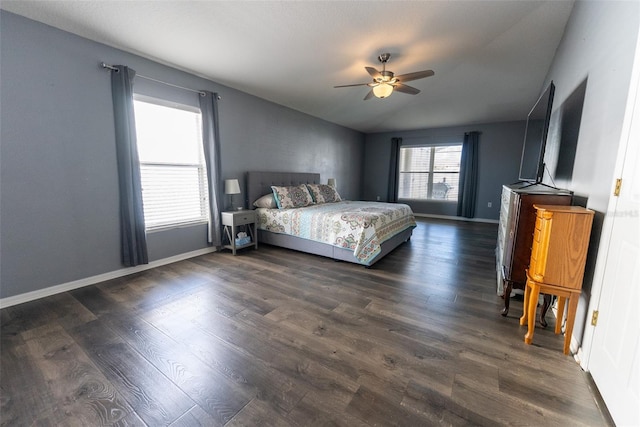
(468, 175)
(392, 193)
(211, 141)
(132, 230)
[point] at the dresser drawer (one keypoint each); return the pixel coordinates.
(505, 196)
(536, 268)
(539, 249)
(536, 235)
(235, 218)
(244, 219)
(539, 222)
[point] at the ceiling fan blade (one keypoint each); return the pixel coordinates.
(415, 76)
(357, 84)
(406, 89)
(369, 95)
(373, 72)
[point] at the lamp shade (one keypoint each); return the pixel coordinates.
(231, 186)
(331, 182)
(383, 90)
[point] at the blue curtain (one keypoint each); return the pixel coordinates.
(211, 142)
(392, 193)
(468, 175)
(132, 230)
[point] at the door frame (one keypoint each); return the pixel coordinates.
(633, 102)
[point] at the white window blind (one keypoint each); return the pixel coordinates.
(429, 172)
(172, 167)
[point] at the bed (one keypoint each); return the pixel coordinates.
(384, 226)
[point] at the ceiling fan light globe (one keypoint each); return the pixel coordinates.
(383, 90)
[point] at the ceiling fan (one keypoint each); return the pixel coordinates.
(384, 82)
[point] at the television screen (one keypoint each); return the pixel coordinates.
(535, 138)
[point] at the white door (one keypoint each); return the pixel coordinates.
(614, 360)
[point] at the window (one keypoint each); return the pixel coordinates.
(172, 167)
(429, 172)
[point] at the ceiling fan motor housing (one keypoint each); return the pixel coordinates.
(384, 57)
(386, 75)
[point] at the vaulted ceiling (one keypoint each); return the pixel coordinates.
(490, 57)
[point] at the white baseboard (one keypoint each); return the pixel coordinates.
(69, 286)
(457, 218)
(577, 353)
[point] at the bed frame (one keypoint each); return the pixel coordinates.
(259, 184)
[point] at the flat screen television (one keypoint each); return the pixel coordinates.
(535, 138)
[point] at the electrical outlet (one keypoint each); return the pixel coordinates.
(489, 205)
(377, 198)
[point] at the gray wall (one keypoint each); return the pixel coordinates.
(592, 73)
(498, 163)
(270, 137)
(58, 181)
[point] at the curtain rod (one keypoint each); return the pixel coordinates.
(112, 68)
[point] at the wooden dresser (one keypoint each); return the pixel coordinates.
(558, 256)
(515, 233)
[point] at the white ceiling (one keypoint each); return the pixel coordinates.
(490, 57)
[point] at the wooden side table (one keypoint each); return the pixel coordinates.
(558, 256)
(232, 221)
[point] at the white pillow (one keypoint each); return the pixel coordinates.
(266, 201)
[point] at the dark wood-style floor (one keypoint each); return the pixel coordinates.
(276, 337)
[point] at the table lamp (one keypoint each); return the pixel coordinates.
(231, 187)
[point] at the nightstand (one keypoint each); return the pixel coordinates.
(232, 220)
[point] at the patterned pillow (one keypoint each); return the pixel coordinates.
(292, 197)
(323, 193)
(266, 201)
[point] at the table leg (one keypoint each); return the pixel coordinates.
(571, 317)
(543, 310)
(233, 239)
(525, 304)
(507, 296)
(226, 231)
(253, 232)
(531, 310)
(561, 302)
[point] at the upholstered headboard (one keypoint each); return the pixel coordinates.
(259, 183)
